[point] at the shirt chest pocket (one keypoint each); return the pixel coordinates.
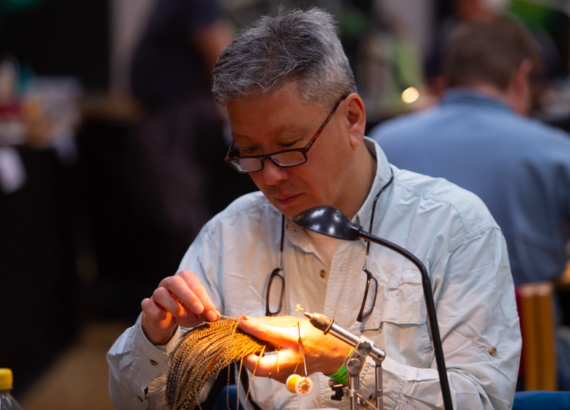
(400, 301)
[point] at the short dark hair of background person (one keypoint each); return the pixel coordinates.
(487, 52)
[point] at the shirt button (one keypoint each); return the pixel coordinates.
(140, 399)
(154, 363)
(323, 273)
(492, 351)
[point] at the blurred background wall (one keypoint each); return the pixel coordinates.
(76, 254)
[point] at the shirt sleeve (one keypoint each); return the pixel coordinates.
(137, 368)
(479, 327)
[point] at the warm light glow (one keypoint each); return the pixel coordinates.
(410, 95)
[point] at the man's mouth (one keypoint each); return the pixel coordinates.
(286, 199)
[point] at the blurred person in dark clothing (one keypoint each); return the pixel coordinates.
(177, 52)
(479, 139)
(175, 150)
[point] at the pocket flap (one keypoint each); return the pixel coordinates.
(401, 302)
(409, 276)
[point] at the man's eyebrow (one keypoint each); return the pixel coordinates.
(287, 128)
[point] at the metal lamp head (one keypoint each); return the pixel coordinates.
(329, 221)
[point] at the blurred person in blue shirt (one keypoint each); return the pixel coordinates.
(479, 138)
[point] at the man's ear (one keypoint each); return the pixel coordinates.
(356, 116)
(520, 89)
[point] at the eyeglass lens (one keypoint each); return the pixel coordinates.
(285, 159)
(275, 292)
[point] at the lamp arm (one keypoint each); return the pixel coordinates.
(428, 295)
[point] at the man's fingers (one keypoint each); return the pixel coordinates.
(157, 323)
(280, 321)
(200, 296)
(152, 311)
(279, 336)
(180, 288)
(178, 300)
(268, 364)
(187, 288)
(163, 297)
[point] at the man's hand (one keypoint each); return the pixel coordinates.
(324, 354)
(179, 300)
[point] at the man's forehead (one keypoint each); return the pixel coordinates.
(286, 95)
(279, 131)
(279, 116)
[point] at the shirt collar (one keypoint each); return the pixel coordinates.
(472, 97)
(299, 238)
(383, 175)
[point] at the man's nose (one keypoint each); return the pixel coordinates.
(272, 174)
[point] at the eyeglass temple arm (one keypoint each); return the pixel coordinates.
(319, 132)
(229, 157)
(428, 295)
(282, 240)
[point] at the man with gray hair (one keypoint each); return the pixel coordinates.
(298, 128)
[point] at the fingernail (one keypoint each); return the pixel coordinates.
(197, 308)
(211, 316)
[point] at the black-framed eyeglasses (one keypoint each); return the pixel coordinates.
(371, 287)
(284, 159)
(276, 286)
(371, 283)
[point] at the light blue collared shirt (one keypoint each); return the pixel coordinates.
(449, 229)
(519, 167)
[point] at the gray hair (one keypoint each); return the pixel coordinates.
(300, 46)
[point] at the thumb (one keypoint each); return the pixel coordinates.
(281, 336)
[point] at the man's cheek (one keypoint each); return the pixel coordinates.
(258, 181)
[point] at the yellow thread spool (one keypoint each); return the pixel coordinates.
(291, 381)
(299, 384)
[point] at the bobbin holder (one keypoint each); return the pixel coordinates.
(354, 363)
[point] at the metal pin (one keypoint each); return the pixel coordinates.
(302, 349)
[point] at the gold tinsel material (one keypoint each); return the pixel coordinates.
(204, 352)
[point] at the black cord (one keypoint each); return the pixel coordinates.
(374, 208)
